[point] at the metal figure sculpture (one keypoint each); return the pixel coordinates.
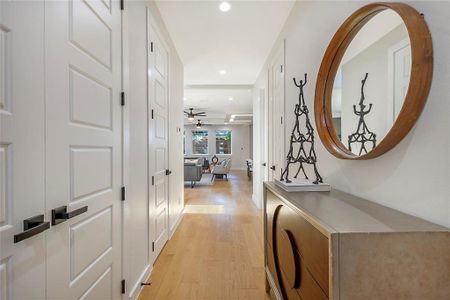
(362, 135)
(305, 154)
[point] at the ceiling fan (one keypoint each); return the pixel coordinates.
(191, 115)
(200, 124)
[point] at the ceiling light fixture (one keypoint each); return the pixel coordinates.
(223, 72)
(184, 99)
(230, 99)
(199, 124)
(224, 6)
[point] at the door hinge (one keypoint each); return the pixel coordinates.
(281, 67)
(153, 246)
(122, 4)
(281, 120)
(123, 286)
(123, 193)
(151, 46)
(153, 180)
(122, 98)
(152, 114)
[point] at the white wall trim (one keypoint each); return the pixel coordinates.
(256, 201)
(137, 288)
(175, 225)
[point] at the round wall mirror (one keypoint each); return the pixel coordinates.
(373, 81)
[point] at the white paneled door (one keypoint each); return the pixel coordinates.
(158, 64)
(83, 148)
(22, 174)
(276, 155)
(399, 72)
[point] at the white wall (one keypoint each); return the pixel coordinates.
(414, 176)
(240, 143)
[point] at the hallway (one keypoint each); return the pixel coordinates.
(216, 252)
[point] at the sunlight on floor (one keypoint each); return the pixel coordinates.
(204, 209)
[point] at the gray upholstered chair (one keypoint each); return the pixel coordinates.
(222, 169)
(193, 170)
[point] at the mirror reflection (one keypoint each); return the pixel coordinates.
(371, 82)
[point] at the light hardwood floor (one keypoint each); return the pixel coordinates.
(217, 250)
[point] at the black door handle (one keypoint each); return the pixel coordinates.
(272, 168)
(263, 164)
(31, 227)
(168, 172)
(61, 214)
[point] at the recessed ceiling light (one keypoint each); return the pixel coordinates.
(230, 99)
(223, 72)
(224, 6)
(184, 99)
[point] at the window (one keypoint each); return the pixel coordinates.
(200, 142)
(223, 142)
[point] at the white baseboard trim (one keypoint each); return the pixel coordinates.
(137, 287)
(178, 221)
(256, 201)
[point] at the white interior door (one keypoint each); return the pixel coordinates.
(83, 148)
(22, 194)
(276, 115)
(263, 136)
(158, 155)
(399, 70)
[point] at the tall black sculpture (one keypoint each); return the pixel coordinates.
(305, 154)
(362, 135)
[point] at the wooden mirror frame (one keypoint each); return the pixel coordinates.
(419, 84)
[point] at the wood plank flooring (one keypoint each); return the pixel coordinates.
(217, 250)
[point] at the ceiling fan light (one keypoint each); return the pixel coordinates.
(191, 118)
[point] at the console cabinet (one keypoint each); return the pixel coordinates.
(332, 245)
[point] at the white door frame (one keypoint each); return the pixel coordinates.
(133, 288)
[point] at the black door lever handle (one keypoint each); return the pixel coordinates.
(61, 214)
(168, 172)
(272, 168)
(31, 227)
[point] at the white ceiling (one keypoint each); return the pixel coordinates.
(209, 40)
(214, 100)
